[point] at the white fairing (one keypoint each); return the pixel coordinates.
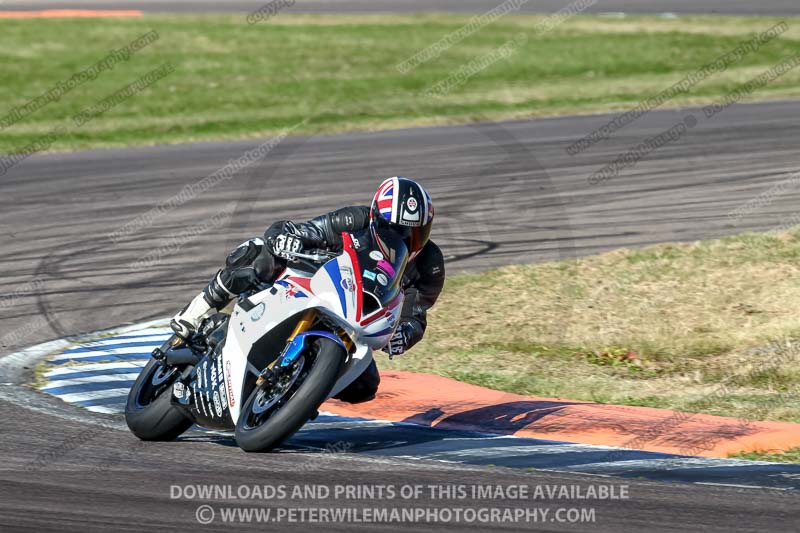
(334, 294)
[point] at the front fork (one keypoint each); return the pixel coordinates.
(304, 324)
(269, 374)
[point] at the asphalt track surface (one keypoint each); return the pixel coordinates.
(506, 193)
(733, 7)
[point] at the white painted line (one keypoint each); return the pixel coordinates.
(538, 449)
(102, 378)
(158, 327)
(93, 395)
(668, 463)
(112, 409)
(19, 359)
(29, 400)
(484, 437)
(742, 486)
(144, 350)
(157, 340)
(93, 367)
(344, 424)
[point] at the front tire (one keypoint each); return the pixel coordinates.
(305, 398)
(148, 412)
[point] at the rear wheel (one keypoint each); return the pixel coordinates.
(268, 419)
(148, 412)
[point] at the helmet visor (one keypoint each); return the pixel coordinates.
(414, 237)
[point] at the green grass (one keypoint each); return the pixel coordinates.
(788, 456)
(235, 80)
(681, 326)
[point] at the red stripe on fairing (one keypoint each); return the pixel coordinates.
(386, 312)
(382, 248)
(375, 316)
(303, 282)
(350, 248)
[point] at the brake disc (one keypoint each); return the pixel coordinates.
(266, 398)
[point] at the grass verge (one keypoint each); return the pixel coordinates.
(330, 73)
(699, 327)
(789, 456)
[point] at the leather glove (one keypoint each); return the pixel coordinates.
(284, 243)
(399, 342)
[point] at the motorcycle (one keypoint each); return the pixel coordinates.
(264, 369)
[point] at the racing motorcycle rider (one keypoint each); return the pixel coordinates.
(400, 204)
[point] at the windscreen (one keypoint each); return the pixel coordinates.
(383, 261)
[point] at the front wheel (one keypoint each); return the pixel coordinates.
(148, 412)
(266, 420)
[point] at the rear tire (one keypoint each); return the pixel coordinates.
(300, 408)
(154, 418)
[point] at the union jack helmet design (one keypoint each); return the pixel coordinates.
(404, 206)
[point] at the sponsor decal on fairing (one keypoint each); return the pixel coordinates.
(229, 384)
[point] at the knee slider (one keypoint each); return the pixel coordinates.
(238, 280)
(243, 255)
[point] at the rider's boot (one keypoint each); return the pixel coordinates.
(214, 297)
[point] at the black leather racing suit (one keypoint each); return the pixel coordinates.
(253, 262)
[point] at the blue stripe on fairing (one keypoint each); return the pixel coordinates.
(332, 268)
(89, 387)
(89, 347)
(110, 358)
